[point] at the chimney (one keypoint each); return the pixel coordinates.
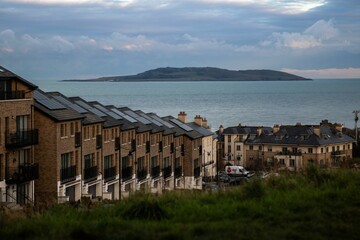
(276, 128)
(221, 129)
(198, 120)
(182, 117)
(317, 130)
(204, 123)
(339, 127)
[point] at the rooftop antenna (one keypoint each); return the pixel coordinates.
(356, 118)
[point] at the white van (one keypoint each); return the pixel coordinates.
(238, 170)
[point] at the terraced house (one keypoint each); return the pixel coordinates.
(288, 147)
(18, 136)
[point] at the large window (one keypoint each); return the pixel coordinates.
(166, 162)
(65, 160)
(108, 161)
(89, 160)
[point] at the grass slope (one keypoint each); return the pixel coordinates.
(315, 205)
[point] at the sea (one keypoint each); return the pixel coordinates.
(249, 103)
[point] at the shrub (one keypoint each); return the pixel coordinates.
(147, 208)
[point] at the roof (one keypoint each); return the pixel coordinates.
(5, 73)
(302, 136)
(56, 112)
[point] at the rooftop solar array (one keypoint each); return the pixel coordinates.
(90, 108)
(181, 125)
(47, 102)
(108, 112)
(162, 121)
(157, 123)
(137, 117)
(69, 104)
(127, 117)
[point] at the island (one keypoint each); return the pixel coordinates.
(200, 74)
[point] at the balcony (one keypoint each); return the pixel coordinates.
(141, 174)
(126, 173)
(167, 171)
(109, 173)
(11, 95)
(68, 174)
(338, 153)
(21, 174)
(90, 173)
(197, 172)
(155, 171)
(20, 139)
(178, 171)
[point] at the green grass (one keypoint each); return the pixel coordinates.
(319, 204)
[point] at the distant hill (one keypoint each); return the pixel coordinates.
(202, 74)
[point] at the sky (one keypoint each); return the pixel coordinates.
(79, 39)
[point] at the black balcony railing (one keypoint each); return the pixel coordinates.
(22, 173)
(109, 173)
(90, 173)
(155, 171)
(337, 153)
(22, 138)
(197, 172)
(9, 95)
(167, 171)
(68, 174)
(126, 173)
(141, 174)
(178, 171)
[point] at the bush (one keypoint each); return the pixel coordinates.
(147, 208)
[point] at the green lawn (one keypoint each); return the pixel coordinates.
(319, 204)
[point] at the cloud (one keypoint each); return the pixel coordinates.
(321, 34)
(326, 73)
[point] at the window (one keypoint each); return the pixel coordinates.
(251, 147)
(21, 123)
(108, 161)
(154, 161)
(282, 162)
(269, 148)
(229, 139)
(284, 150)
(166, 162)
(238, 148)
(65, 160)
(72, 129)
(141, 163)
(294, 150)
(260, 148)
(89, 160)
(322, 150)
(310, 150)
(63, 130)
(24, 156)
(292, 162)
(125, 162)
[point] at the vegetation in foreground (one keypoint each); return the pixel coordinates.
(319, 204)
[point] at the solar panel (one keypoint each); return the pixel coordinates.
(71, 105)
(131, 114)
(118, 112)
(83, 104)
(101, 108)
(143, 120)
(97, 112)
(181, 125)
(162, 121)
(130, 119)
(151, 119)
(108, 111)
(47, 102)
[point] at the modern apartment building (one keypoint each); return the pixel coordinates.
(290, 147)
(18, 136)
